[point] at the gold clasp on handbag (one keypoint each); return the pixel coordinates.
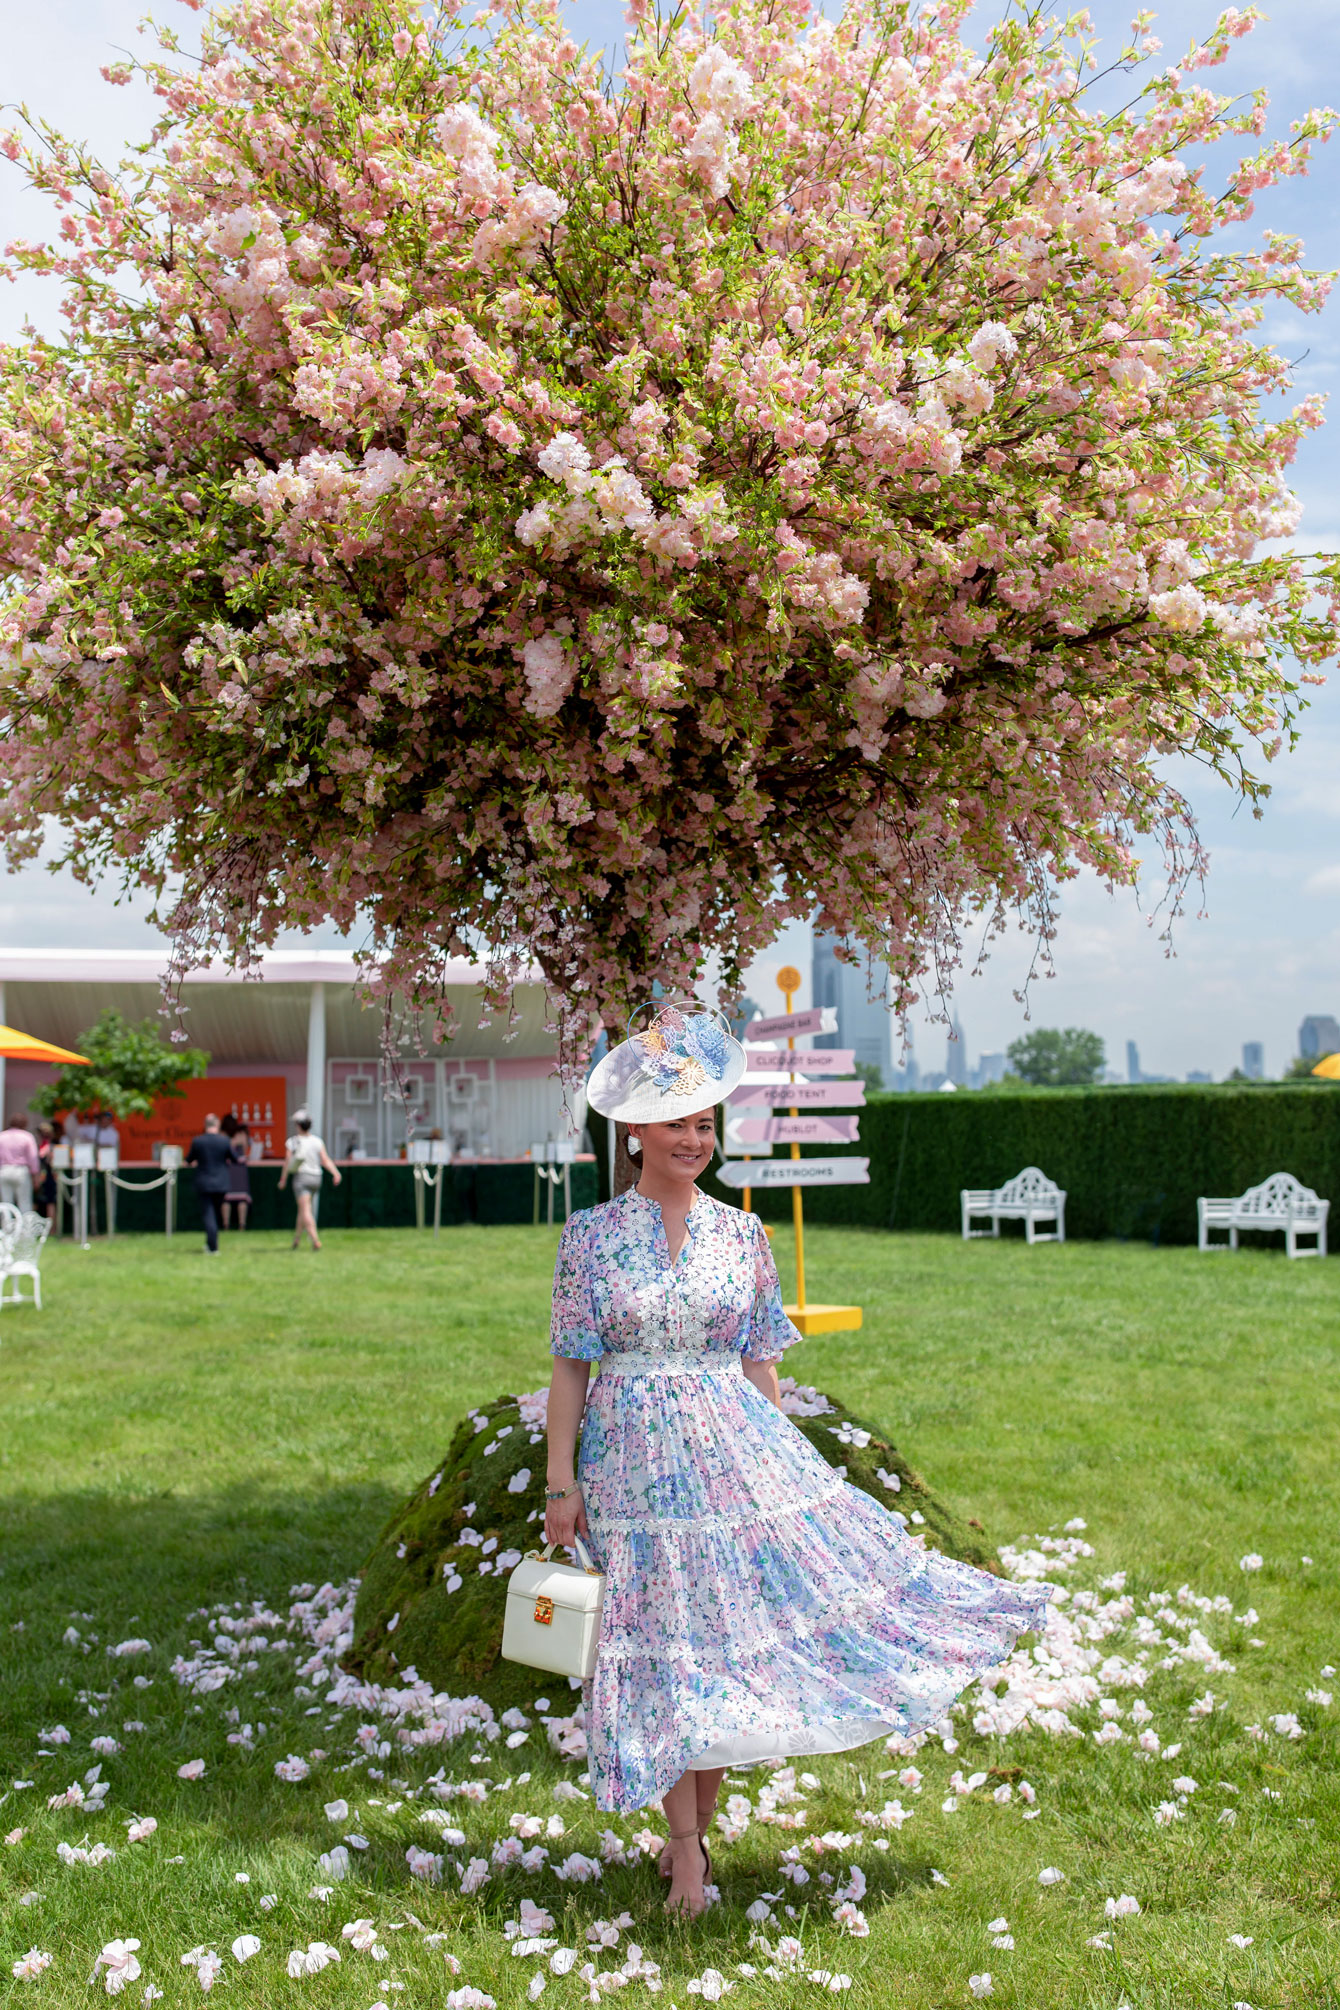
(544, 1611)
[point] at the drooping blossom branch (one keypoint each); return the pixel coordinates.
(822, 469)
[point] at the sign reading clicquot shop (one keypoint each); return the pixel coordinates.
(795, 1129)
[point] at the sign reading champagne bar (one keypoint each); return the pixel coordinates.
(800, 1095)
(790, 1025)
(804, 1061)
(795, 1172)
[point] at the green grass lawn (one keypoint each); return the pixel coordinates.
(177, 1434)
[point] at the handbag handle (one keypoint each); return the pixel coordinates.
(584, 1556)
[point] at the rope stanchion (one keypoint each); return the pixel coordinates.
(423, 1178)
(166, 1179)
(553, 1175)
(74, 1184)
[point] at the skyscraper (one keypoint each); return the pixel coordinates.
(956, 1055)
(1133, 1062)
(1254, 1060)
(864, 1022)
(1319, 1034)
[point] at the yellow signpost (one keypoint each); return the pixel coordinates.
(808, 1318)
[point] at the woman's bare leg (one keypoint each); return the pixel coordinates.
(708, 1786)
(306, 1225)
(680, 1807)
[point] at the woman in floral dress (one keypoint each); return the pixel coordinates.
(757, 1606)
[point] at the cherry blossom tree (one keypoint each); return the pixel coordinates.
(820, 468)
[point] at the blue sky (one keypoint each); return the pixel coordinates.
(1268, 950)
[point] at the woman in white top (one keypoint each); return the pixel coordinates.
(306, 1158)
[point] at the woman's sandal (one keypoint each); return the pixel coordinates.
(707, 1859)
(707, 1872)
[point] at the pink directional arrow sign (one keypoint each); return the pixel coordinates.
(793, 1130)
(800, 1095)
(803, 1060)
(789, 1025)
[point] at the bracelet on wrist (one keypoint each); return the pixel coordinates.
(562, 1492)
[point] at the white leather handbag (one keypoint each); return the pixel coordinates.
(552, 1616)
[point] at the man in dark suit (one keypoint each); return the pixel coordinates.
(211, 1154)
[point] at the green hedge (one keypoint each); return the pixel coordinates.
(1132, 1161)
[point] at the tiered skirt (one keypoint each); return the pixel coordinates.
(757, 1605)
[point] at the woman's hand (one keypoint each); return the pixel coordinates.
(565, 1519)
(336, 1175)
(763, 1375)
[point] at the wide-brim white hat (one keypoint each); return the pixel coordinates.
(683, 1062)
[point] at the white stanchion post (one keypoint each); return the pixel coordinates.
(85, 1158)
(170, 1158)
(537, 1160)
(440, 1151)
(60, 1162)
(108, 1158)
(418, 1156)
(564, 1151)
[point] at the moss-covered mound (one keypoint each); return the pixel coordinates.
(433, 1587)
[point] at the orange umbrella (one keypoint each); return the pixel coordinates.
(1329, 1069)
(25, 1047)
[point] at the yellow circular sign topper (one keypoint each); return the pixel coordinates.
(788, 978)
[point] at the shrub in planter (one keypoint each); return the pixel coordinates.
(433, 1587)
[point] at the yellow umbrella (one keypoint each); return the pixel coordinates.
(26, 1047)
(1329, 1069)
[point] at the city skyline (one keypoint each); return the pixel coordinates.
(1265, 956)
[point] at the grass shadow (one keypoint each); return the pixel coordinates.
(167, 1552)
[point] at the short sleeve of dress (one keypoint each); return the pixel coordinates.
(572, 1330)
(770, 1331)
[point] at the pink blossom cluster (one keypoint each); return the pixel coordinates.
(820, 470)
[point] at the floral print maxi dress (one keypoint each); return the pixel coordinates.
(757, 1605)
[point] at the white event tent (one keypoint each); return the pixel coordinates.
(297, 1032)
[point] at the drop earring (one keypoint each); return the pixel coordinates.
(634, 1146)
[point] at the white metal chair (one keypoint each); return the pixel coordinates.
(21, 1239)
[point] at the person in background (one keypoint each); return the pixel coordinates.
(211, 1155)
(238, 1196)
(19, 1165)
(105, 1133)
(44, 1199)
(306, 1158)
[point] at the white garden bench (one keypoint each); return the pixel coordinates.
(1280, 1203)
(1029, 1197)
(21, 1240)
